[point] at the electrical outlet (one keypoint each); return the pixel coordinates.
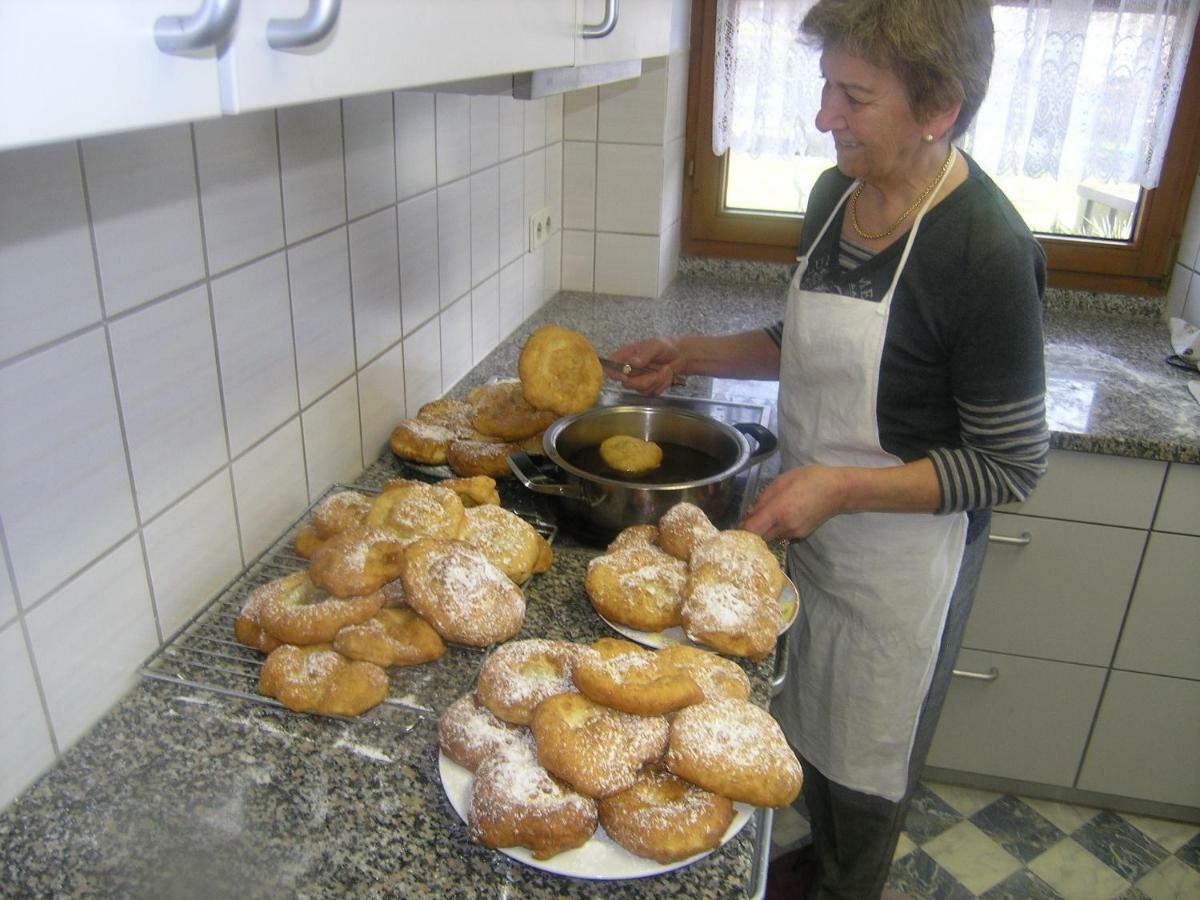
(539, 228)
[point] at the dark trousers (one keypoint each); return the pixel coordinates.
(855, 834)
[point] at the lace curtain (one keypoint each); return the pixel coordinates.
(1080, 89)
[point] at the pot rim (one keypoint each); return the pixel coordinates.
(549, 445)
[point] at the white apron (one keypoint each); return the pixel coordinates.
(874, 587)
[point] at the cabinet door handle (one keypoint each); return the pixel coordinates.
(606, 26)
(317, 21)
(1021, 540)
(203, 28)
(990, 675)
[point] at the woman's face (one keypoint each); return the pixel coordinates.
(866, 109)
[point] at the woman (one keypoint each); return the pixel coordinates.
(911, 401)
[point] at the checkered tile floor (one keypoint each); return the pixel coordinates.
(960, 843)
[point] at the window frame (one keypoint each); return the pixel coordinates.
(1141, 266)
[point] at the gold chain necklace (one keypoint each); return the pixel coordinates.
(867, 236)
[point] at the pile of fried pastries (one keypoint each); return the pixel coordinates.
(390, 579)
(559, 375)
(721, 587)
(655, 746)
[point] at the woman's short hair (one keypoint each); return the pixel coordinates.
(941, 49)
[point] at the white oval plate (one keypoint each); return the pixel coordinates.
(601, 858)
(789, 607)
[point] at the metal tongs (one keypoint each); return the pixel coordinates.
(627, 369)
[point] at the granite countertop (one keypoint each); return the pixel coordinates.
(182, 792)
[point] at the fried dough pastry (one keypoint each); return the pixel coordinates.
(639, 586)
(597, 750)
(559, 371)
(358, 562)
(456, 416)
(519, 675)
(413, 509)
(682, 527)
(503, 537)
(517, 803)
(474, 490)
(338, 512)
(735, 749)
(248, 629)
(740, 556)
(392, 637)
(545, 557)
(627, 677)
(502, 411)
(629, 454)
(664, 818)
(468, 458)
(318, 679)
(460, 593)
(468, 733)
(729, 616)
(420, 441)
(717, 676)
(294, 610)
(634, 536)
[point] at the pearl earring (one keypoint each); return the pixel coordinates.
(928, 139)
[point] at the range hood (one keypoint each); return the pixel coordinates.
(546, 82)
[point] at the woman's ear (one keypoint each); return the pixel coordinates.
(940, 124)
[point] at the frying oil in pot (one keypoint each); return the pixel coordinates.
(679, 464)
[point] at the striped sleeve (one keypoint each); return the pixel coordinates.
(1003, 454)
(775, 333)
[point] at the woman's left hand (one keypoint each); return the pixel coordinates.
(796, 503)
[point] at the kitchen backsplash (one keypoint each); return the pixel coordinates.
(203, 326)
(1183, 296)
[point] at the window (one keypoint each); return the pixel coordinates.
(1117, 237)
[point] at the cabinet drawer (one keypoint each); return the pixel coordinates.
(1030, 723)
(1179, 509)
(1060, 596)
(1162, 630)
(1147, 740)
(1089, 487)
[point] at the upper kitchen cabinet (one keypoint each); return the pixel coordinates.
(295, 51)
(80, 67)
(612, 30)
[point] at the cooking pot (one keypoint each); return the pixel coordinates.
(702, 458)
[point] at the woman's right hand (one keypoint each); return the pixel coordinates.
(662, 355)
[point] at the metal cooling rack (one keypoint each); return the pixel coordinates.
(204, 654)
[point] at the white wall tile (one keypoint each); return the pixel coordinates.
(145, 213)
(47, 274)
(255, 351)
(513, 235)
(89, 639)
(485, 132)
(554, 185)
(580, 114)
(672, 184)
(485, 224)
(25, 747)
(192, 551)
(456, 342)
(627, 264)
(383, 389)
(669, 246)
(554, 119)
(453, 137)
(8, 600)
(634, 111)
(512, 127)
(61, 403)
(535, 280)
(1191, 306)
(485, 318)
(578, 260)
(370, 153)
(418, 222)
(535, 124)
(552, 266)
(167, 376)
(416, 145)
(237, 159)
(375, 284)
(629, 188)
(314, 173)
(535, 182)
(271, 487)
(1181, 280)
(579, 185)
(332, 437)
(512, 297)
(319, 276)
(454, 240)
(1189, 241)
(422, 368)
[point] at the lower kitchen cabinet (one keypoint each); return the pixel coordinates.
(1029, 723)
(1146, 742)
(1162, 631)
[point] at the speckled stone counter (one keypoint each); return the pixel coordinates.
(180, 792)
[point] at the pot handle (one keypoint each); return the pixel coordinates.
(763, 437)
(522, 466)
